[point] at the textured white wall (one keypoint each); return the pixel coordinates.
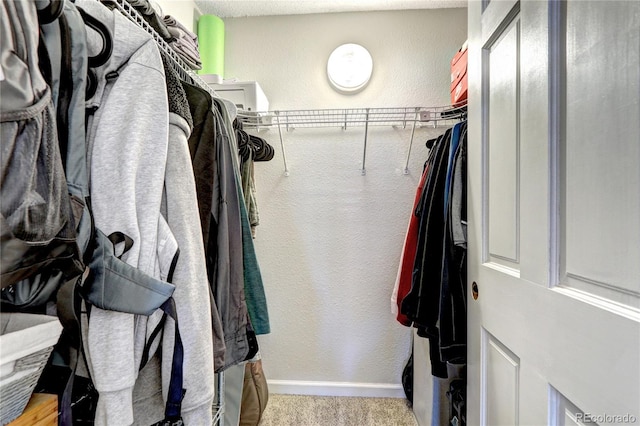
(329, 239)
(288, 56)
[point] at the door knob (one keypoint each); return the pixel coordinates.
(474, 290)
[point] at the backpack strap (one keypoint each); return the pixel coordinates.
(175, 395)
(173, 407)
(69, 311)
(160, 326)
(120, 237)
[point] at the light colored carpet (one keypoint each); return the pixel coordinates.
(304, 410)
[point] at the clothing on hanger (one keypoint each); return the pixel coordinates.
(138, 189)
(119, 118)
(405, 270)
(435, 302)
(254, 289)
(159, 152)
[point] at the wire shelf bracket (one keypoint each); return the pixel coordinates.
(364, 151)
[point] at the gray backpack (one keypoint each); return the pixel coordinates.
(50, 249)
(37, 225)
(48, 234)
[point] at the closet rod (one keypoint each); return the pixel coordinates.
(188, 75)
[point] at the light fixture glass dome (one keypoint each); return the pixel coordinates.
(349, 68)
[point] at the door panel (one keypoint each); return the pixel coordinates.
(501, 380)
(503, 147)
(555, 336)
(563, 412)
(495, 15)
(606, 116)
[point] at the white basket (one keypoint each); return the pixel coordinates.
(26, 341)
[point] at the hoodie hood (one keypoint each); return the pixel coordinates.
(126, 39)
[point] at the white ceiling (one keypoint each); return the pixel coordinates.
(242, 8)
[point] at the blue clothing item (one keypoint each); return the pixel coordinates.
(452, 319)
(455, 140)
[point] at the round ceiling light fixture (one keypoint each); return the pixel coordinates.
(349, 68)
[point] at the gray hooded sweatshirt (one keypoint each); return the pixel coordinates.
(180, 208)
(127, 148)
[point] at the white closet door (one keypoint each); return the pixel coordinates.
(554, 212)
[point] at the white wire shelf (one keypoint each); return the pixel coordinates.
(353, 117)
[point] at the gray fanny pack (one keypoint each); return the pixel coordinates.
(115, 285)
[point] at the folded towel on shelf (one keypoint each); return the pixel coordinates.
(186, 48)
(183, 42)
(192, 61)
(170, 21)
(177, 33)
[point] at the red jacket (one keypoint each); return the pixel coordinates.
(403, 281)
